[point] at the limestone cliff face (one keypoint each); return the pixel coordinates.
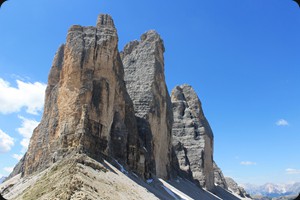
(87, 108)
(144, 76)
(192, 137)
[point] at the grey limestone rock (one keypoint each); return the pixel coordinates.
(145, 82)
(233, 186)
(192, 137)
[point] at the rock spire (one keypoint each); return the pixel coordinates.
(87, 107)
(145, 81)
(192, 137)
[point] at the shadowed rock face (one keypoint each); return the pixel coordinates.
(87, 108)
(145, 82)
(192, 137)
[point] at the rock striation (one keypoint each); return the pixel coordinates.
(87, 107)
(192, 137)
(145, 82)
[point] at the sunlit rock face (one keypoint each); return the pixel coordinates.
(87, 108)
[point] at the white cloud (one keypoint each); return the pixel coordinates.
(6, 142)
(26, 129)
(8, 169)
(282, 122)
(248, 163)
(292, 171)
(24, 143)
(17, 156)
(27, 95)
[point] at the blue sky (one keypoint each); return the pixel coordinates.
(241, 57)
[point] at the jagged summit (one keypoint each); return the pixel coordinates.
(87, 108)
(145, 82)
(105, 20)
(192, 137)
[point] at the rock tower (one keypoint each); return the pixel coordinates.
(145, 81)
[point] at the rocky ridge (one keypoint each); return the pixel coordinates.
(109, 106)
(234, 187)
(271, 190)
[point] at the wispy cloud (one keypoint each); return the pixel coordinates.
(25, 95)
(282, 122)
(6, 142)
(26, 129)
(292, 171)
(17, 156)
(248, 163)
(8, 169)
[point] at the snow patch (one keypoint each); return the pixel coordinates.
(145, 149)
(122, 169)
(149, 181)
(170, 192)
(135, 175)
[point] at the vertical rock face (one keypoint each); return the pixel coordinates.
(144, 76)
(192, 137)
(87, 108)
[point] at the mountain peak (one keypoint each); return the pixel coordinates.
(105, 110)
(105, 20)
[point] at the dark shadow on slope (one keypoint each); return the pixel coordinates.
(155, 187)
(179, 185)
(146, 137)
(1, 197)
(191, 189)
(224, 194)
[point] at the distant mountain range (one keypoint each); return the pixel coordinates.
(2, 179)
(273, 190)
